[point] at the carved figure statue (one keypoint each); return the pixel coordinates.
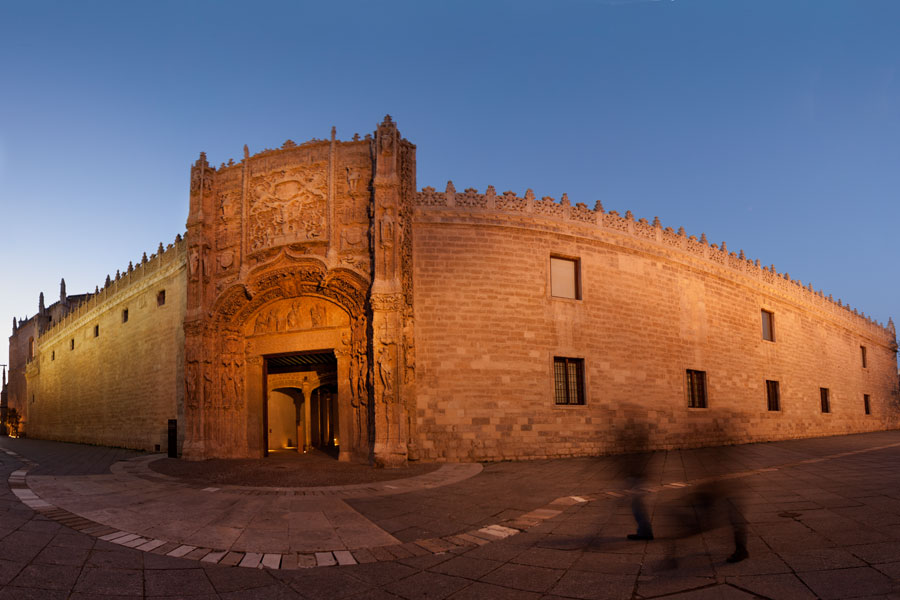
(260, 325)
(190, 380)
(354, 381)
(194, 262)
(386, 143)
(386, 374)
(353, 177)
(208, 389)
(386, 228)
(293, 317)
(231, 384)
(238, 386)
(227, 384)
(317, 315)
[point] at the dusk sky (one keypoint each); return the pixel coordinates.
(771, 125)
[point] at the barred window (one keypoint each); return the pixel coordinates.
(772, 396)
(568, 374)
(696, 384)
(826, 402)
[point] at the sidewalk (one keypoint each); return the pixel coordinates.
(823, 518)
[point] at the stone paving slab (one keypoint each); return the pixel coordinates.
(820, 515)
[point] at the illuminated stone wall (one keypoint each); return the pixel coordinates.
(438, 311)
(655, 303)
(120, 386)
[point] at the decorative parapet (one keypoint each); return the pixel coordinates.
(641, 229)
(288, 145)
(133, 276)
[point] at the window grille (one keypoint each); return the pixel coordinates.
(772, 395)
(696, 382)
(568, 374)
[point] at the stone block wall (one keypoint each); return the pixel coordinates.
(654, 304)
(118, 384)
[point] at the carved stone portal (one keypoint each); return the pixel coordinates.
(302, 249)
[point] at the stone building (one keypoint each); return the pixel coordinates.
(319, 300)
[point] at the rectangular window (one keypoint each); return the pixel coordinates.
(866, 404)
(862, 355)
(72, 344)
(568, 375)
(565, 279)
(772, 396)
(768, 326)
(696, 384)
(53, 357)
(125, 315)
(96, 331)
(161, 297)
(826, 403)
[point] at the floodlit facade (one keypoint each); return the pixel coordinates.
(318, 299)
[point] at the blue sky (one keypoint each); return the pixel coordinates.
(771, 125)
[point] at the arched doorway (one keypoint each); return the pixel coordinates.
(291, 306)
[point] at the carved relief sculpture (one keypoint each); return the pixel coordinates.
(317, 316)
(288, 207)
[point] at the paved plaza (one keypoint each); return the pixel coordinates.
(822, 518)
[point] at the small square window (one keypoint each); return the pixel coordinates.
(768, 326)
(96, 331)
(125, 315)
(862, 356)
(568, 375)
(866, 405)
(772, 396)
(826, 401)
(160, 297)
(565, 278)
(696, 387)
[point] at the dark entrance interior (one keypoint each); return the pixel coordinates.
(300, 412)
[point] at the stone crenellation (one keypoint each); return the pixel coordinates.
(642, 229)
(133, 275)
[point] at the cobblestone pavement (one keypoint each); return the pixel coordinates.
(823, 518)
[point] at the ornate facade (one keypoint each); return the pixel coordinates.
(320, 300)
